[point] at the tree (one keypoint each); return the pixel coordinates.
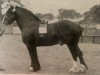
(39, 15)
(93, 15)
(96, 10)
(88, 16)
(68, 14)
(48, 16)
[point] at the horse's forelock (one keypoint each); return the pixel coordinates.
(11, 8)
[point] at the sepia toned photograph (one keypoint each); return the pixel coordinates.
(50, 37)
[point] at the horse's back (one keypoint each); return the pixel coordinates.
(64, 25)
(69, 25)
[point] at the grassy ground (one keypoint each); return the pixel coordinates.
(54, 60)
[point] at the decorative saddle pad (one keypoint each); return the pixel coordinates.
(43, 28)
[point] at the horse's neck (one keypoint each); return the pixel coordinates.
(26, 19)
(26, 14)
(26, 22)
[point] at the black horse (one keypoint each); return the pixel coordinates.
(63, 32)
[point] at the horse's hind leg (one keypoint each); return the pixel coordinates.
(73, 51)
(82, 62)
(76, 52)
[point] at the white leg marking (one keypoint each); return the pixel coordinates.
(31, 69)
(82, 68)
(75, 67)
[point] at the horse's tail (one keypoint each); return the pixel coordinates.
(81, 29)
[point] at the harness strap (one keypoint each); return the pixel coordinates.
(60, 36)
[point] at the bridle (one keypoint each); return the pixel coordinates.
(3, 25)
(8, 17)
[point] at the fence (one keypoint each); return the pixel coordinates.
(85, 38)
(95, 39)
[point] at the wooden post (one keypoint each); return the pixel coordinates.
(82, 39)
(0, 8)
(0, 14)
(94, 39)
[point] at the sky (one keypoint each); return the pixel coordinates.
(46, 6)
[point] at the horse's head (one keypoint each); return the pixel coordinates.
(8, 18)
(19, 14)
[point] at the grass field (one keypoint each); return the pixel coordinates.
(54, 60)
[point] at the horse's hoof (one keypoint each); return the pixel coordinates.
(32, 69)
(74, 70)
(82, 69)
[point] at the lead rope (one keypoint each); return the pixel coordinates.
(2, 29)
(88, 73)
(0, 38)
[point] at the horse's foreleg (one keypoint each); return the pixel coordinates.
(35, 65)
(73, 51)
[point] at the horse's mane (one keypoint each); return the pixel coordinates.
(28, 12)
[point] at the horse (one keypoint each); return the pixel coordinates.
(63, 32)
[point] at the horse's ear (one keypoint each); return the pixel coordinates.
(12, 8)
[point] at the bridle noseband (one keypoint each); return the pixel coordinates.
(9, 17)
